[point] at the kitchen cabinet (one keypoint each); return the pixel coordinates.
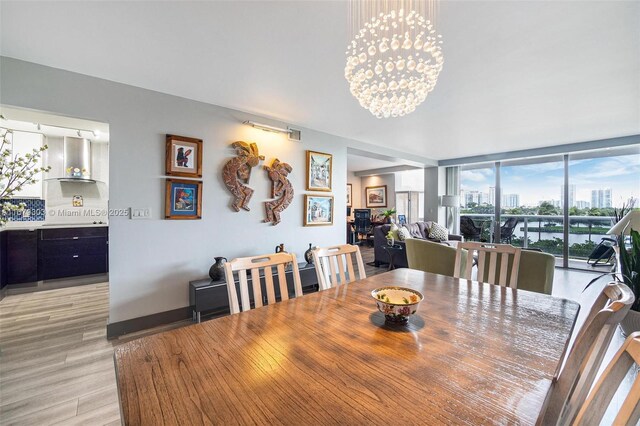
(70, 252)
(3, 259)
(21, 256)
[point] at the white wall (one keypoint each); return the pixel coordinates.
(356, 191)
(152, 261)
(387, 179)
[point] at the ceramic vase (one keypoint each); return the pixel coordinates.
(308, 256)
(216, 272)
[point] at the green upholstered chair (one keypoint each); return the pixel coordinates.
(535, 272)
(429, 256)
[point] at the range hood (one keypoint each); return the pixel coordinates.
(76, 163)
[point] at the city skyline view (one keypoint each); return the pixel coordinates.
(530, 184)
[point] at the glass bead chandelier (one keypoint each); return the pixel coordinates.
(395, 55)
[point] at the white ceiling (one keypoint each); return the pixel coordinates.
(358, 163)
(517, 74)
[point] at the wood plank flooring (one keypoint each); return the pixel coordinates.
(56, 365)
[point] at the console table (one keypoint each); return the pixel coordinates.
(211, 296)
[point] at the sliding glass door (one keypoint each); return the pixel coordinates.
(561, 204)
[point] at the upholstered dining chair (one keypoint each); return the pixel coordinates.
(600, 397)
(266, 262)
(334, 265)
(570, 389)
(499, 272)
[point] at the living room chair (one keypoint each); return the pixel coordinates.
(508, 264)
(266, 262)
(570, 388)
(600, 397)
(429, 256)
(362, 223)
(334, 265)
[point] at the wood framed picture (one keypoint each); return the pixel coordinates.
(183, 156)
(319, 171)
(318, 210)
(349, 190)
(183, 199)
(376, 196)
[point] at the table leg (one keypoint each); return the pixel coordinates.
(198, 317)
(391, 266)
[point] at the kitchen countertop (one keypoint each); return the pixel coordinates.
(43, 225)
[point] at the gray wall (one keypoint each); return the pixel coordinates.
(378, 180)
(152, 261)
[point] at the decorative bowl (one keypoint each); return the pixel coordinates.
(397, 303)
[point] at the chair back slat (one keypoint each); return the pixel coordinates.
(569, 391)
(604, 390)
(282, 281)
(487, 255)
(257, 288)
(268, 279)
(244, 289)
(255, 264)
(334, 265)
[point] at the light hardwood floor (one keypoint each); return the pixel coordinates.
(56, 365)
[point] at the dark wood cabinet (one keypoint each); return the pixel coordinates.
(22, 256)
(70, 252)
(3, 259)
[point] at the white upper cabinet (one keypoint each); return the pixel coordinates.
(23, 143)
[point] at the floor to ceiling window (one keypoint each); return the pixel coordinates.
(410, 195)
(477, 201)
(525, 202)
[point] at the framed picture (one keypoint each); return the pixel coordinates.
(319, 171)
(183, 199)
(318, 210)
(349, 188)
(183, 156)
(402, 219)
(376, 196)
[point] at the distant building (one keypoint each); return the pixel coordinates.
(583, 204)
(554, 203)
(601, 198)
(572, 195)
(492, 195)
(510, 201)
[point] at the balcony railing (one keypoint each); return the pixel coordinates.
(547, 232)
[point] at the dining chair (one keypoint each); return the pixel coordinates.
(600, 397)
(570, 388)
(334, 265)
(507, 253)
(265, 262)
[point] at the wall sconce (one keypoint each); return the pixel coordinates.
(293, 134)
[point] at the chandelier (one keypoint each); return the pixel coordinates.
(395, 57)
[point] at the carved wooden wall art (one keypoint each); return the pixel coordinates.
(237, 171)
(281, 187)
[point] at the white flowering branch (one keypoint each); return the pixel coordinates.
(15, 173)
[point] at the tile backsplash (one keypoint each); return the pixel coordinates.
(34, 212)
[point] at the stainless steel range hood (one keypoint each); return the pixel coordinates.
(76, 160)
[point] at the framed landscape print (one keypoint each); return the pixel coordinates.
(349, 189)
(319, 170)
(183, 156)
(318, 210)
(376, 196)
(183, 199)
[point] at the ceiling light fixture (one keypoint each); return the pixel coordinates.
(395, 57)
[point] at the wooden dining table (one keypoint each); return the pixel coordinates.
(472, 354)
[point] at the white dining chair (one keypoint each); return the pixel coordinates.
(334, 265)
(600, 397)
(266, 262)
(570, 388)
(482, 250)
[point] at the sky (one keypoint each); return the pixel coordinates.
(543, 181)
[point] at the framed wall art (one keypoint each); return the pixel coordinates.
(349, 190)
(183, 156)
(319, 171)
(376, 196)
(183, 199)
(318, 210)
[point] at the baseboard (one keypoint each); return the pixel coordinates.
(120, 328)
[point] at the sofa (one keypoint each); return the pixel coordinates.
(418, 230)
